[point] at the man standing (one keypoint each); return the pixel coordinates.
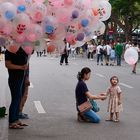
(119, 52)
(16, 63)
(65, 53)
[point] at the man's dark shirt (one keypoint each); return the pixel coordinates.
(20, 58)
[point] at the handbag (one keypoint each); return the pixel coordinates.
(2, 111)
(85, 107)
(95, 107)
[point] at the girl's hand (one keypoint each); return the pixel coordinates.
(102, 94)
(103, 97)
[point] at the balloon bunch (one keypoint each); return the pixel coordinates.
(28, 21)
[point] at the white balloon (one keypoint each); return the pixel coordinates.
(131, 56)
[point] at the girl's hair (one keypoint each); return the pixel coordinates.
(85, 70)
(113, 78)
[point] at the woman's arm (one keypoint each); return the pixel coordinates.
(95, 97)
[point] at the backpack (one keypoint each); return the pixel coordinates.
(101, 51)
(2, 111)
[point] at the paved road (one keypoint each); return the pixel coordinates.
(51, 102)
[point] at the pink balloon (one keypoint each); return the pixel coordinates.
(71, 39)
(28, 49)
(20, 38)
(31, 37)
(68, 2)
(131, 61)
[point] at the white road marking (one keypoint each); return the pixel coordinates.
(39, 107)
(125, 85)
(31, 85)
(100, 75)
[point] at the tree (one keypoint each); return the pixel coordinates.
(126, 14)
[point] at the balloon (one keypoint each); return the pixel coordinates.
(21, 8)
(49, 29)
(37, 11)
(34, 32)
(28, 49)
(75, 14)
(51, 48)
(84, 22)
(131, 56)
(5, 27)
(50, 24)
(68, 2)
(80, 36)
(8, 10)
(20, 38)
(104, 10)
(71, 39)
(31, 37)
(20, 22)
(63, 16)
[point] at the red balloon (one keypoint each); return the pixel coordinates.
(51, 48)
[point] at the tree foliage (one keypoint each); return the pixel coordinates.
(126, 14)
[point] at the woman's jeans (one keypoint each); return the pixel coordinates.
(16, 94)
(92, 116)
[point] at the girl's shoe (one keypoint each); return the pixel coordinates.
(116, 120)
(109, 119)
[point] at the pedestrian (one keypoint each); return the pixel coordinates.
(135, 47)
(114, 94)
(16, 64)
(112, 56)
(99, 51)
(90, 50)
(107, 50)
(119, 52)
(65, 53)
(83, 95)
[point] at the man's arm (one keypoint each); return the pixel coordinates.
(10, 65)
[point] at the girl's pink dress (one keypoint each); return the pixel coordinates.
(113, 93)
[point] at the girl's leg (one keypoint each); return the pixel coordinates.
(117, 117)
(92, 116)
(111, 117)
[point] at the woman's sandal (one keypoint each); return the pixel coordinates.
(15, 126)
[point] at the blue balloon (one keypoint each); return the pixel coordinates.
(75, 14)
(49, 29)
(9, 15)
(80, 36)
(84, 22)
(21, 8)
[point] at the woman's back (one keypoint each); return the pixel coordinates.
(80, 92)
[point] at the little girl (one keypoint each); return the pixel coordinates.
(115, 99)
